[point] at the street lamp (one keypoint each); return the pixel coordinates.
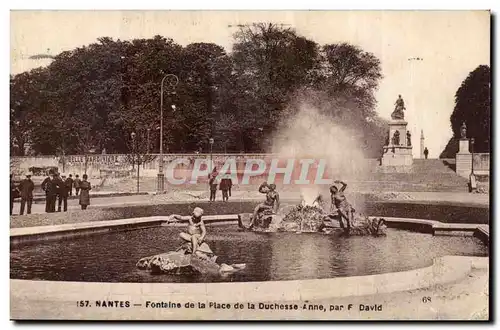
(412, 61)
(149, 131)
(472, 152)
(136, 156)
(211, 142)
(172, 81)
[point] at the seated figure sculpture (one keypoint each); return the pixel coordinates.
(193, 255)
(196, 229)
(269, 207)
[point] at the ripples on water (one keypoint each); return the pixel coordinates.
(281, 256)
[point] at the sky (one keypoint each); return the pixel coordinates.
(451, 44)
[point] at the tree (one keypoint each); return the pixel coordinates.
(24, 102)
(143, 64)
(138, 149)
(270, 63)
(92, 97)
(472, 106)
(351, 74)
(206, 70)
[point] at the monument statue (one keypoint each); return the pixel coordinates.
(463, 131)
(398, 112)
(395, 138)
(408, 138)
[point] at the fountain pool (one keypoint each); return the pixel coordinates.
(112, 257)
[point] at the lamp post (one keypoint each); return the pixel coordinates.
(472, 152)
(172, 82)
(211, 142)
(412, 61)
(136, 156)
(149, 130)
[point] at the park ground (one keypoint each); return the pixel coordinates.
(466, 298)
(429, 180)
(198, 195)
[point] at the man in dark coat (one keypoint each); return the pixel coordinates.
(225, 187)
(49, 185)
(62, 193)
(14, 193)
(69, 184)
(26, 188)
(212, 183)
(426, 153)
(76, 183)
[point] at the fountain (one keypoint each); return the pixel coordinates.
(313, 218)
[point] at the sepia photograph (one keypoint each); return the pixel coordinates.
(250, 165)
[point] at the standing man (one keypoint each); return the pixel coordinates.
(229, 183)
(26, 188)
(76, 183)
(69, 185)
(213, 186)
(14, 193)
(63, 193)
(224, 187)
(426, 152)
(49, 185)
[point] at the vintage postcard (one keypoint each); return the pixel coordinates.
(250, 165)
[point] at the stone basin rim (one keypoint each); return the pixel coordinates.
(20, 232)
(445, 269)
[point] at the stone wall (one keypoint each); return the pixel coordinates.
(464, 164)
(481, 164)
(119, 165)
(98, 166)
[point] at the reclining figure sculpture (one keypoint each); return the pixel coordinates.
(189, 258)
(182, 261)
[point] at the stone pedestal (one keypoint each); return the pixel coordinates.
(463, 159)
(399, 155)
(463, 146)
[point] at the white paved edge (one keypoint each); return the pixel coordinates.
(444, 270)
(438, 225)
(24, 231)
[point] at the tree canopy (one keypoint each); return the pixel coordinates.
(472, 107)
(92, 98)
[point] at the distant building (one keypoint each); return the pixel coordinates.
(422, 144)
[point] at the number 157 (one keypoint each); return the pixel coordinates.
(83, 303)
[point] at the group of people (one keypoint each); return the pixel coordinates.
(224, 185)
(57, 188)
(23, 190)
